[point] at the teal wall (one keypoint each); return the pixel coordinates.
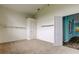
(68, 35)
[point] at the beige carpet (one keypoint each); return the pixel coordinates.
(33, 47)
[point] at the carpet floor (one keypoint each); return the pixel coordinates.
(34, 47)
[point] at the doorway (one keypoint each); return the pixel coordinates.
(71, 31)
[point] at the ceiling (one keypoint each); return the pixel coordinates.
(24, 8)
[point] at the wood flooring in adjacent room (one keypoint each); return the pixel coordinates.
(33, 47)
(73, 43)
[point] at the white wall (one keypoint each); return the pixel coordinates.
(10, 19)
(46, 16)
(45, 33)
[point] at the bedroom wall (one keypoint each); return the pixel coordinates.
(12, 26)
(45, 33)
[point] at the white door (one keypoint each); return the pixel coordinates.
(31, 28)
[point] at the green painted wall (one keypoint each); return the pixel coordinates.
(68, 34)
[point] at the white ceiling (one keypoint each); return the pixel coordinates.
(24, 8)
